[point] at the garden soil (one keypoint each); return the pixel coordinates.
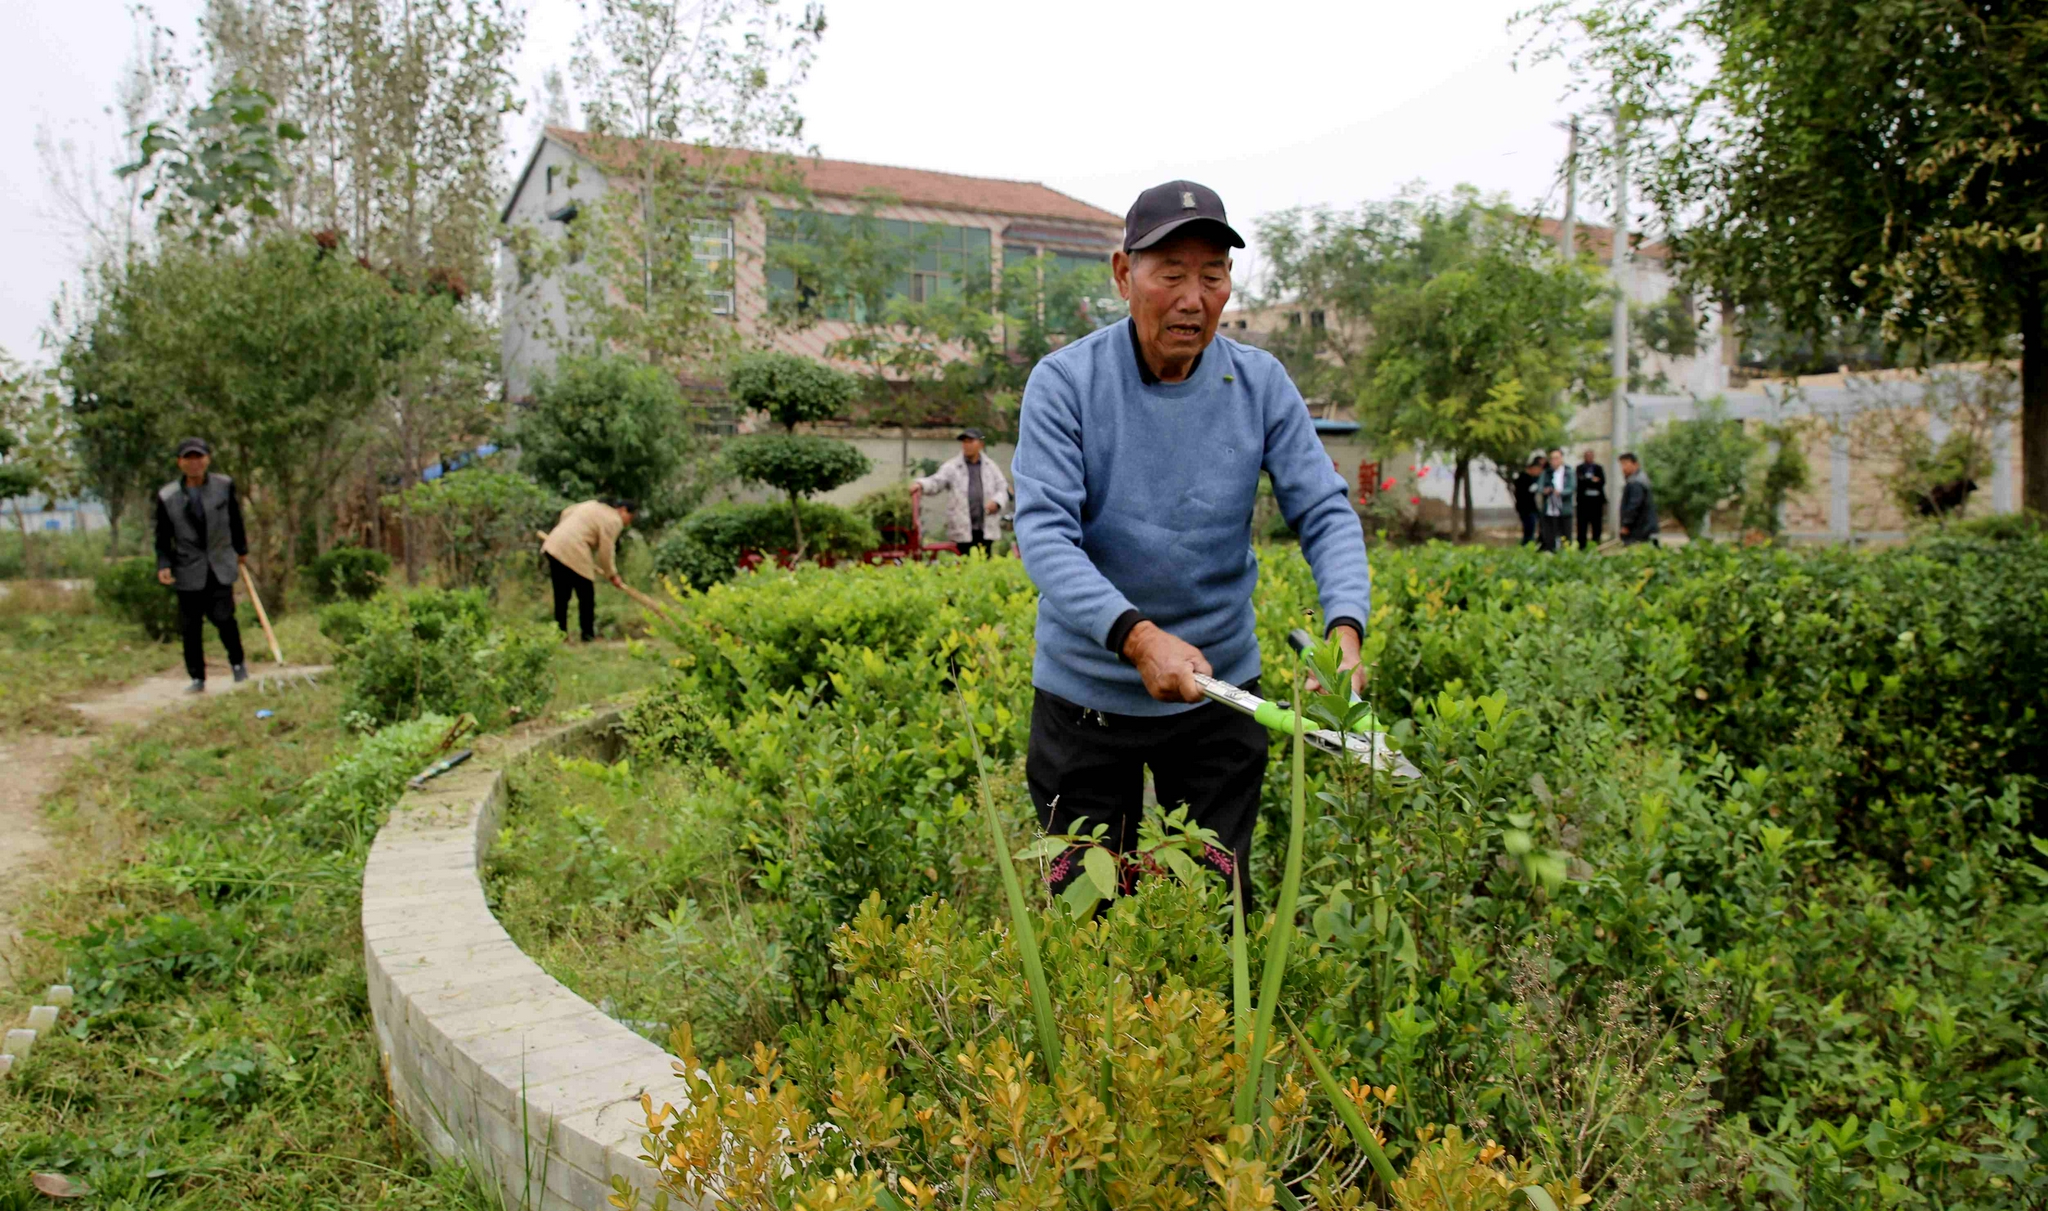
(34, 762)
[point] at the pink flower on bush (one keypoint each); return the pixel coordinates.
(1389, 485)
(1415, 500)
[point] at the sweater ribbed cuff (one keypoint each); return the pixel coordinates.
(1120, 631)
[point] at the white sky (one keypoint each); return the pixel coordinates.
(1274, 103)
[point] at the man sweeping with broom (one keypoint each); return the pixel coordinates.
(582, 546)
(200, 548)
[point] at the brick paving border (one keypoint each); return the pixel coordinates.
(489, 1057)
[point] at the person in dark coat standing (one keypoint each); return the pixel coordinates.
(1638, 504)
(200, 550)
(1554, 504)
(1525, 496)
(1591, 486)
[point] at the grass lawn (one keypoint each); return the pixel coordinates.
(225, 1056)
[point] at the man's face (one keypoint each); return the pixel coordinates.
(1628, 466)
(1556, 458)
(1588, 457)
(193, 465)
(1177, 290)
(626, 516)
(970, 448)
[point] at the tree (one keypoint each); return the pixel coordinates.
(610, 426)
(1885, 161)
(692, 110)
(277, 353)
(1700, 464)
(1473, 331)
(35, 452)
(217, 173)
(794, 391)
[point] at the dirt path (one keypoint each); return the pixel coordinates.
(34, 762)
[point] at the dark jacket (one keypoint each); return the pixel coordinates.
(1592, 486)
(191, 542)
(1525, 493)
(1638, 510)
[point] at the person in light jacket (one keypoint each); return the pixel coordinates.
(583, 546)
(976, 492)
(200, 550)
(1554, 499)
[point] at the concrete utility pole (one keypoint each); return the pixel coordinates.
(1567, 234)
(1619, 426)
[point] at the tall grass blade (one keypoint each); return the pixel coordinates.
(1020, 916)
(1240, 971)
(1280, 940)
(1361, 1134)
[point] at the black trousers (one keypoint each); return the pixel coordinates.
(1528, 528)
(1556, 532)
(1087, 765)
(566, 581)
(196, 607)
(1592, 519)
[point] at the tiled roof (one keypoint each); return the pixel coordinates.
(917, 186)
(1599, 241)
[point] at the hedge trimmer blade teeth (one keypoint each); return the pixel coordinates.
(1368, 748)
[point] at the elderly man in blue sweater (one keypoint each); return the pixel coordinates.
(1136, 470)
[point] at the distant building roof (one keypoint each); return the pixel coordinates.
(911, 186)
(1599, 240)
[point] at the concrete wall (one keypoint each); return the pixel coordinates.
(493, 1061)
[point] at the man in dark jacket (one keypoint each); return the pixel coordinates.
(1638, 506)
(200, 547)
(1525, 496)
(1591, 510)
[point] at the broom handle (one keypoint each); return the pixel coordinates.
(261, 616)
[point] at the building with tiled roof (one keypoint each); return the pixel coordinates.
(973, 224)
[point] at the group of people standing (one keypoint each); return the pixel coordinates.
(1557, 503)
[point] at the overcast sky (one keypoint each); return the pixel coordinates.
(1274, 103)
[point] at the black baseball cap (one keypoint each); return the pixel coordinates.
(194, 445)
(970, 435)
(1164, 209)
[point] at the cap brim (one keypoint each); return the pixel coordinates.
(1166, 229)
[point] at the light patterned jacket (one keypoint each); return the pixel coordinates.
(951, 478)
(586, 539)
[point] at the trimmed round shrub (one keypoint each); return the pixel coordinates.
(129, 589)
(355, 573)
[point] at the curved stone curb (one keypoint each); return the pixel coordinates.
(489, 1057)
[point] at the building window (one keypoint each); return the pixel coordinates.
(550, 174)
(1315, 319)
(711, 249)
(937, 260)
(1294, 319)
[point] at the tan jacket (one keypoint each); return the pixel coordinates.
(586, 538)
(951, 478)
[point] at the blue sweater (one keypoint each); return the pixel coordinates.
(1138, 496)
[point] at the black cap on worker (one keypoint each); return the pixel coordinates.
(970, 435)
(194, 445)
(1164, 209)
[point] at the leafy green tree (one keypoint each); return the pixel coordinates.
(1885, 161)
(1779, 471)
(482, 518)
(221, 170)
(1700, 464)
(275, 352)
(609, 425)
(1472, 332)
(793, 390)
(35, 453)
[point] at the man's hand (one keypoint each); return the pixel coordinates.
(164, 577)
(617, 581)
(1347, 643)
(994, 508)
(241, 561)
(1167, 663)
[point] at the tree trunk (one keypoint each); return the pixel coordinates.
(796, 521)
(28, 550)
(1463, 479)
(2033, 397)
